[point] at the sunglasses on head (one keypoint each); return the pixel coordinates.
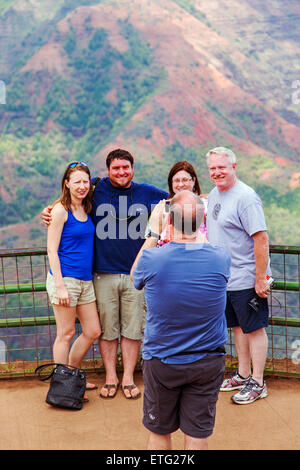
(76, 163)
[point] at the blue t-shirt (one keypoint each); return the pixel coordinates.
(120, 217)
(185, 292)
(75, 250)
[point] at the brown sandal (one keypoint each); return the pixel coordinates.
(110, 387)
(130, 388)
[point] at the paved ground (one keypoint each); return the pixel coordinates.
(28, 423)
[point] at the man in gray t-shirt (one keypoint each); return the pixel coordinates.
(235, 220)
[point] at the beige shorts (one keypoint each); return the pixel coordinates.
(81, 292)
(122, 308)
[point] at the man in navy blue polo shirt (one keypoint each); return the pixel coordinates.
(121, 209)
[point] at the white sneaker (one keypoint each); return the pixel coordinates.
(250, 392)
(236, 382)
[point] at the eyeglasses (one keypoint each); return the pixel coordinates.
(76, 163)
(182, 180)
(111, 205)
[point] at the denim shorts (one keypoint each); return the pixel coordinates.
(240, 313)
(121, 307)
(182, 396)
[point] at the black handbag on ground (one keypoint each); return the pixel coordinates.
(67, 385)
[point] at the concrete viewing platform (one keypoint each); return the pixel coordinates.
(28, 423)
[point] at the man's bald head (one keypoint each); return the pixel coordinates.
(186, 212)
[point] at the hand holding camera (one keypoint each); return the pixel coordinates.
(254, 301)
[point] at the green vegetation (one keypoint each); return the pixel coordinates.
(79, 105)
(78, 102)
(282, 210)
(5, 4)
(155, 170)
(283, 226)
(39, 163)
(53, 117)
(188, 6)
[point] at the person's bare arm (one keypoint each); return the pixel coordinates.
(46, 213)
(261, 253)
(59, 217)
(157, 220)
(156, 227)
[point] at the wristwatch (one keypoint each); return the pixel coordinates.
(154, 235)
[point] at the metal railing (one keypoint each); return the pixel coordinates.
(27, 323)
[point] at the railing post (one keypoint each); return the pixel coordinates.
(20, 321)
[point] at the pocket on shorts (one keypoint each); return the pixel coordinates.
(51, 289)
(87, 293)
(151, 415)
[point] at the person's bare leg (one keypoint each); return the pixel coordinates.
(108, 351)
(241, 342)
(258, 341)
(130, 350)
(65, 330)
(194, 443)
(90, 327)
(159, 441)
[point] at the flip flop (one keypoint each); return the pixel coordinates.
(110, 387)
(130, 388)
(91, 386)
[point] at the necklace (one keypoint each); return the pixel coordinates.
(111, 205)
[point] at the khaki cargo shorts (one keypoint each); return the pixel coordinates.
(121, 307)
(81, 292)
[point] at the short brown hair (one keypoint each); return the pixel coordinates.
(188, 167)
(121, 154)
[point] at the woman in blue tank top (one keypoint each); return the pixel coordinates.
(69, 281)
